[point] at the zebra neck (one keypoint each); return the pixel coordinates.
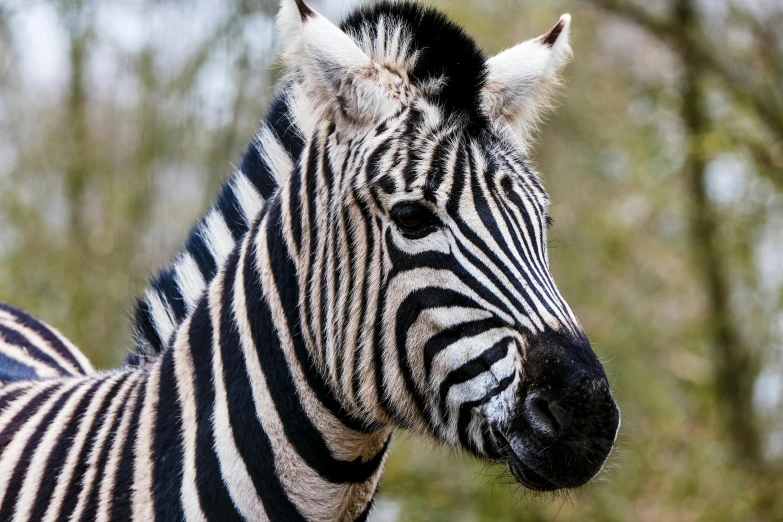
(174, 292)
(275, 423)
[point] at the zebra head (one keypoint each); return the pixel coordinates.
(420, 235)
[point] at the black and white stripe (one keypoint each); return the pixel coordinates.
(31, 349)
(228, 424)
(174, 291)
(395, 277)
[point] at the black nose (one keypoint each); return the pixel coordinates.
(583, 410)
(544, 417)
(565, 423)
(567, 397)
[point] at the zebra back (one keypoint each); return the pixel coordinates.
(31, 349)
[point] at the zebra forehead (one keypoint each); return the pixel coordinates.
(435, 165)
(435, 53)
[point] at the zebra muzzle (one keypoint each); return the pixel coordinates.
(565, 419)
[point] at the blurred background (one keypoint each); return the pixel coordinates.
(120, 118)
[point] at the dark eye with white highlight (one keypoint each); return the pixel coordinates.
(415, 221)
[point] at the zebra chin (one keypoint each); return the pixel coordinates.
(564, 420)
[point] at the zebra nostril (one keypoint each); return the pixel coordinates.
(539, 414)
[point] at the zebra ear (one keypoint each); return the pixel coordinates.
(521, 80)
(334, 71)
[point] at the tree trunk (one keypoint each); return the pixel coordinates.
(733, 368)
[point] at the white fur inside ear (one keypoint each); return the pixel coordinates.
(521, 80)
(335, 72)
(313, 41)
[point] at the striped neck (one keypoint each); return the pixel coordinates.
(300, 429)
(174, 292)
(242, 352)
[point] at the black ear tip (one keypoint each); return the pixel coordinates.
(304, 10)
(550, 38)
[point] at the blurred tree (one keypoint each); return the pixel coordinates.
(735, 367)
(761, 92)
(86, 177)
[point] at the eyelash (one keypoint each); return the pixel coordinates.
(413, 220)
(427, 222)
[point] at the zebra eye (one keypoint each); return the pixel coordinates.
(414, 220)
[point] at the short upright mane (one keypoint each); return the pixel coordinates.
(438, 51)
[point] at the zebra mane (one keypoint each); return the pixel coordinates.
(173, 292)
(435, 53)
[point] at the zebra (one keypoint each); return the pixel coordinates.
(396, 278)
(31, 349)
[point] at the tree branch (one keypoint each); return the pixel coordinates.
(737, 79)
(768, 158)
